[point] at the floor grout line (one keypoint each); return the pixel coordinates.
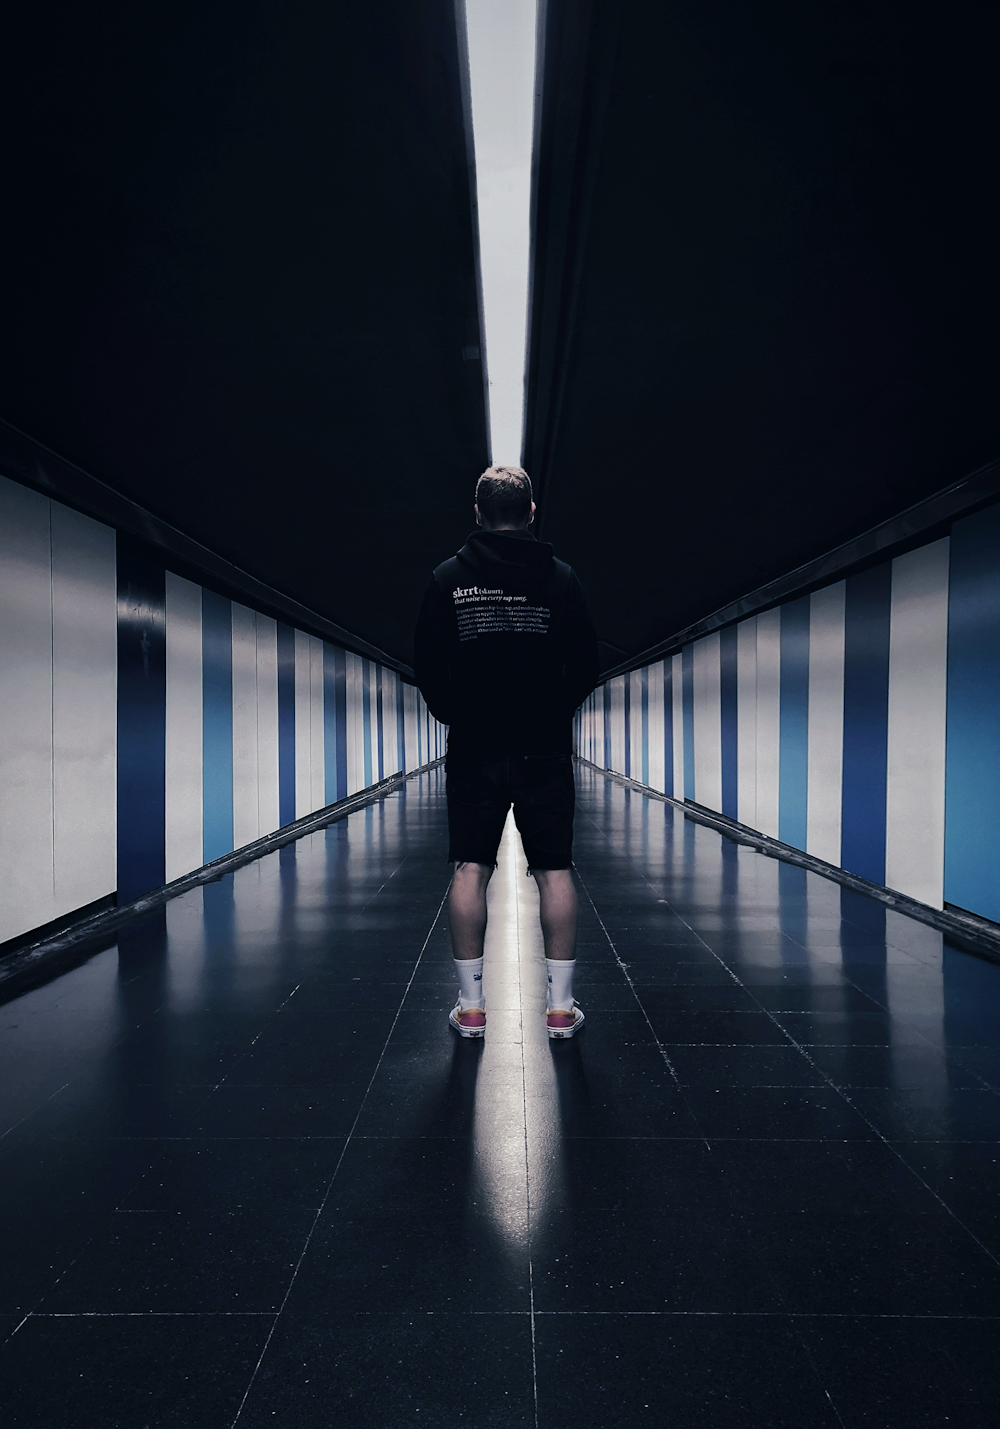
(801, 1048)
(340, 1161)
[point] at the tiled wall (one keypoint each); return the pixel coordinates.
(860, 723)
(148, 725)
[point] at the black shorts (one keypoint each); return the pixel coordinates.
(481, 791)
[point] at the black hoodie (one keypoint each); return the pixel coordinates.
(505, 650)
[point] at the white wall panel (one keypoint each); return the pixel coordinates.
(246, 826)
(918, 668)
(655, 726)
(677, 685)
(268, 817)
(84, 709)
(317, 733)
(768, 720)
(303, 732)
(409, 725)
(746, 722)
(634, 678)
(826, 722)
(390, 756)
(27, 896)
(184, 794)
(618, 724)
(599, 728)
(707, 722)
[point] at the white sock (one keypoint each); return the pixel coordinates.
(470, 982)
(560, 975)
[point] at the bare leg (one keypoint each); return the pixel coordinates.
(557, 896)
(467, 909)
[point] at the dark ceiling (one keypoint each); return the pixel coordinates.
(240, 280)
(241, 284)
(765, 299)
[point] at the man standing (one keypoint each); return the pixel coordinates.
(505, 654)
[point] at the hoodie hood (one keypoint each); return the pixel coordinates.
(506, 548)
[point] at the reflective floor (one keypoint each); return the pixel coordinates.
(249, 1176)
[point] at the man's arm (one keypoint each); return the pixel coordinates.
(583, 665)
(432, 653)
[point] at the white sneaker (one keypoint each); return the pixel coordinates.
(560, 1023)
(470, 1023)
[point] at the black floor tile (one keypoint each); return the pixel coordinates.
(879, 1263)
(125, 1372)
(977, 1063)
(671, 1001)
(421, 1224)
(911, 1065)
(284, 1059)
(642, 1225)
(823, 999)
(744, 1067)
(787, 1177)
(718, 1029)
(629, 1095)
(233, 1174)
(966, 1176)
(176, 1262)
(372, 1371)
(432, 1091)
(685, 1371)
(860, 1029)
(109, 1105)
(285, 1110)
(776, 1113)
(908, 1373)
(931, 1113)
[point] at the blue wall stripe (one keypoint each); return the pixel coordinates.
(286, 724)
(142, 715)
(217, 728)
(727, 692)
(972, 781)
(627, 705)
(607, 726)
(793, 747)
(866, 710)
(687, 700)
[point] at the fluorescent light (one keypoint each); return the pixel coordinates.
(502, 81)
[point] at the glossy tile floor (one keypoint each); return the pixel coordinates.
(250, 1177)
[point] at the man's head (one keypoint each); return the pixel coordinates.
(503, 499)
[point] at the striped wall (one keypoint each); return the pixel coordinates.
(148, 725)
(860, 723)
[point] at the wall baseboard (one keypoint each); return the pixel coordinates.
(56, 926)
(967, 931)
(40, 957)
